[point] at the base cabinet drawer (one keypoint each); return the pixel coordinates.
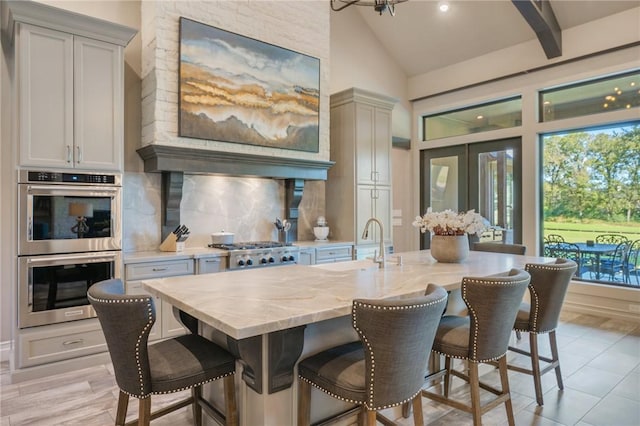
(307, 256)
(210, 265)
(159, 269)
(334, 254)
(46, 344)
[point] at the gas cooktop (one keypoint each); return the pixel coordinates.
(256, 254)
(248, 245)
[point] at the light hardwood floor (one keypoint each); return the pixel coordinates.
(600, 362)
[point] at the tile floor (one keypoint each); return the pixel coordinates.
(600, 361)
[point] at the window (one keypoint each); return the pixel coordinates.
(594, 97)
(478, 118)
(591, 187)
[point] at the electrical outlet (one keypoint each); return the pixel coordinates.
(634, 307)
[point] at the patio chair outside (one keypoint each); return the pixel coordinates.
(632, 264)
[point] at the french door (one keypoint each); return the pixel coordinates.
(485, 176)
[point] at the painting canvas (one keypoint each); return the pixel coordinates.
(238, 89)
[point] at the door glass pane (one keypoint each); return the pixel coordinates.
(496, 190)
(444, 183)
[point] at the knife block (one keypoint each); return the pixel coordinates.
(171, 243)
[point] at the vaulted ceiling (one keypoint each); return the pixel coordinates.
(421, 38)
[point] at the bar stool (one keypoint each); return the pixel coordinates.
(481, 337)
(500, 248)
(386, 367)
(548, 287)
(172, 365)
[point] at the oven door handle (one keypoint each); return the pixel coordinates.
(71, 190)
(58, 259)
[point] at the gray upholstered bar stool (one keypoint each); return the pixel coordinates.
(548, 287)
(172, 365)
(500, 248)
(386, 367)
(480, 337)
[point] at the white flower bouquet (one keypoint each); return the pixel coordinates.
(449, 222)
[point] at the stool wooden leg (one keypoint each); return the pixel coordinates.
(362, 415)
(474, 384)
(447, 377)
(371, 417)
(121, 413)
(196, 393)
(555, 357)
(304, 403)
(418, 418)
(231, 407)
(504, 380)
(535, 366)
(144, 411)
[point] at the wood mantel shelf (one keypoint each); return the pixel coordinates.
(167, 158)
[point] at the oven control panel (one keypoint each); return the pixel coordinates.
(34, 176)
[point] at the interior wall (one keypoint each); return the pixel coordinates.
(616, 30)
(358, 60)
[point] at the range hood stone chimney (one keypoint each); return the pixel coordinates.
(174, 161)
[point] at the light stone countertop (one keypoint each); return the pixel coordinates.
(322, 244)
(157, 255)
(257, 301)
(202, 252)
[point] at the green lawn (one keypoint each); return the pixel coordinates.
(580, 232)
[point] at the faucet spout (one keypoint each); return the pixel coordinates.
(380, 258)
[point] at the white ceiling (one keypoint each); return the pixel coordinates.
(421, 39)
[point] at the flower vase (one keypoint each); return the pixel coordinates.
(449, 248)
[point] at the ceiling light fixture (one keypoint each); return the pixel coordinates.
(378, 5)
(443, 6)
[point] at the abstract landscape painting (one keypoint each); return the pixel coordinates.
(237, 89)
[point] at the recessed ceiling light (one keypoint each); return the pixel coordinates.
(480, 117)
(443, 6)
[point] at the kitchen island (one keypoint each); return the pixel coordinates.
(271, 317)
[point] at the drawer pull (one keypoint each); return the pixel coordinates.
(72, 342)
(212, 261)
(160, 269)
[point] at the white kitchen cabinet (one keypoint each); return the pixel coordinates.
(334, 254)
(168, 325)
(359, 184)
(69, 86)
(373, 143)
(307, 256)
(58, 342)
(70, 92)
(209, 265)
(373, 201)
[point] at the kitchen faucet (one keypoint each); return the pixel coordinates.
(377, 259)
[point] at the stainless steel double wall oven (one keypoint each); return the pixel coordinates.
(69, 237)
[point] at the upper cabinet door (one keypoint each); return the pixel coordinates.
(98, 128)
(373, 134)
(382, 149)
(44, 60)
(365, 148)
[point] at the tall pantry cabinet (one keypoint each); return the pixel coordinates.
(359, 184)
(70, 88)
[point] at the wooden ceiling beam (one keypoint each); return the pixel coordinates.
(540, 17)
